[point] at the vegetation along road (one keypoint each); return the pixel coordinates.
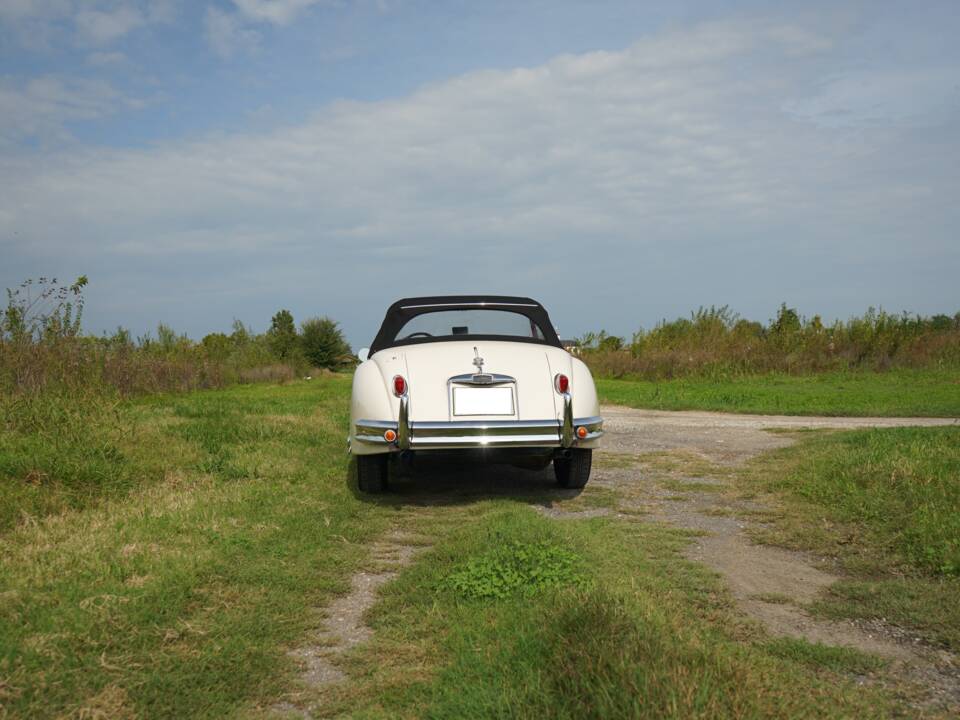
(716, 566)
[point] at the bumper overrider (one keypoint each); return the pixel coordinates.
(407, 435)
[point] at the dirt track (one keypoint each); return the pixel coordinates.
(723, 436)
(770, 584)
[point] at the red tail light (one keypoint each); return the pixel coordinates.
(562, 383)
(399, 386)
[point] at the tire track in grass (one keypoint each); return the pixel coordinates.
(343, 626)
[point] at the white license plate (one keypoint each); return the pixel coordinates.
(483, 401)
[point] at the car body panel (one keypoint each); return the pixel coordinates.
(428, 369)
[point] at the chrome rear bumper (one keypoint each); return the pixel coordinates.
(479, 433)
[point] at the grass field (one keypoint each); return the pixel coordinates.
(885, 505)
(177, 589)
(175, 592)
(909, 393)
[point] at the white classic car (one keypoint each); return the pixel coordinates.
(475, 375)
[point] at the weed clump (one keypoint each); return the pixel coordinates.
(516, 569)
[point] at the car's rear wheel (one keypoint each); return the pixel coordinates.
(372, 473)
(574, 471)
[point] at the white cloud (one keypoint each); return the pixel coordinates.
(40, 24)
(876, 97)
(40, 107)
(101, 27)
(162, 11)
(232, 33)
(104, 59)
(278, 12)
(227, 35)
(14, 10)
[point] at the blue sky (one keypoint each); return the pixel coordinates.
(621, 161)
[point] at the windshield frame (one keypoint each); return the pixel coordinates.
(402, 311)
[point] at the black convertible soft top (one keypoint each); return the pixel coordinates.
(402, 311)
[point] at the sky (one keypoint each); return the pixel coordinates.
(622, 162)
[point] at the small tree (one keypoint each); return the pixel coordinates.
(282, 335)
(323, 343)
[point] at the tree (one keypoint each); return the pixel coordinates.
(787, 322)
(282, 336)
(217, 346)
(323, 343)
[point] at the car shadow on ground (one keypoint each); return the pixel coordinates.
(433, 482)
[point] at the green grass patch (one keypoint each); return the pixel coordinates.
(59, 452)
(831, 657)
(926, 606)
(693, 486)
(614, 461)
(934, 393)
(885, 506)
(901, 484)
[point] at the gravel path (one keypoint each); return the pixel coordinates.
(723, 437)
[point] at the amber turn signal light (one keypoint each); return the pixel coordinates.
(390, 436)
(581, 432)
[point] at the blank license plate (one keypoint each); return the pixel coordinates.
(483, 401)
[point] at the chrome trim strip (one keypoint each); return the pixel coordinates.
(553, 430)
(476, 433)
(469, 304)
(371, 431)
(481, 379)
(376, 425)
(472, 441)
(566, 429)
(483, 424)
(403, 425)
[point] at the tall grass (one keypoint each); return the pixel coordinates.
(62, 393)
(717, 342)
(900, 483)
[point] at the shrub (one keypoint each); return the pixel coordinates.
(323, 343)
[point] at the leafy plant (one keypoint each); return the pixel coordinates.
(516, 569)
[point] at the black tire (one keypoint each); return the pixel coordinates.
(372, 473)
(573, 472)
